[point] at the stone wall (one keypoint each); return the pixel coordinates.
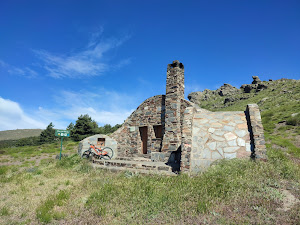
(187, 137)
(109, 142)
(150, 113)
(256, 131)
(225, 135)
(218, 135)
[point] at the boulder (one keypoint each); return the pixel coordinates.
(256, 80)
(227, 90)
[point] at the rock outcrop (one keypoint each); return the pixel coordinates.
(257, 85)
(227, 94)
(227, 90)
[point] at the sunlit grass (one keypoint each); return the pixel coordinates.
(71, 188)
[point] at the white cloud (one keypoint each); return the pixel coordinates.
(13, 117)
(88, 62)
(105, 107)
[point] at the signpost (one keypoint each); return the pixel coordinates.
(62, 134)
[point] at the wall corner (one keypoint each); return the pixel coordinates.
(256, 129)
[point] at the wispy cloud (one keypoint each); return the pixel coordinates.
(192, 87)
(105, 107)
(25, 72)
(88, 62)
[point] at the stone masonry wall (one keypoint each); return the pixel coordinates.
(151, 112)
(218, 135)
(257, 131)
(187, 138)
(174, 94)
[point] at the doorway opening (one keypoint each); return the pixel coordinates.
(144, 138)
(101, 142)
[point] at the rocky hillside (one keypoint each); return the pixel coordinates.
(279, 102)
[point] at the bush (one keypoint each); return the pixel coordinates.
(294, 121)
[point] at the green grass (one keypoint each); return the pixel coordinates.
(230, 192)
(31, 151)
(4, 211)
(45, 212)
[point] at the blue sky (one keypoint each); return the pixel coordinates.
(60, 59)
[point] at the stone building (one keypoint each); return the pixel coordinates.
(167, 128)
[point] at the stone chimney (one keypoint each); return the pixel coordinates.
(174, 94)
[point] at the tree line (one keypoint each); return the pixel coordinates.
(85, 126)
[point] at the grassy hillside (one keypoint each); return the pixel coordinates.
(19, 133)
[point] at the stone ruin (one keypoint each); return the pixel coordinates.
(169, 129)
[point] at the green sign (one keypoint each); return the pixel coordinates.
(62, 133)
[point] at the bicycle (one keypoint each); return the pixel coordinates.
(98, 153)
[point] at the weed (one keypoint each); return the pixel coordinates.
(4, 211)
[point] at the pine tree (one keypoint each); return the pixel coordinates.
(84, 127)
(48, 135)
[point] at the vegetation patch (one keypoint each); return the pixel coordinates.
(45, 212)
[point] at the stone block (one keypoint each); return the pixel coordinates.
(241, 142)
(206, 154)
(242, 126)
(222, 144)
(216, 125)
(219, 132)
(241, 133)
(220, 150)
(248, 147)
(212, 145)
(231, 149)
(216, 155)
(228, 128)
(211, 130)
(231, 124)
(217, 138)
(230, 136)
(232, 143)
(230, 155)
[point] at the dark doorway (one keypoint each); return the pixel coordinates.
(144, 138)
(101, 142)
